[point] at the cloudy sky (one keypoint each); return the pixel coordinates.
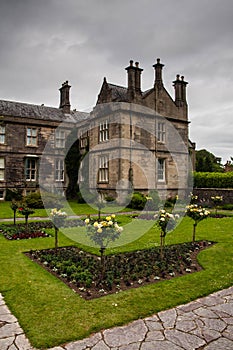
(45, 42)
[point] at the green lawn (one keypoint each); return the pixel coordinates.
(51, 313)
(71, 208)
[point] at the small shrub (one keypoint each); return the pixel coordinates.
(109, 198)
(138, 201)
(170, 202)
(34, 200)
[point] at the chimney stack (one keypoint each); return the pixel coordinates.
(134, 80)
(138, 72)
(158, 72)
(65, 97)
(180, 91)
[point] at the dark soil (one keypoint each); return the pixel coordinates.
(83, 272)
(34, 229)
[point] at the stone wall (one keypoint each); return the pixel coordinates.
(207, 193)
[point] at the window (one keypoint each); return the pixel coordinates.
(161, 132)
(30, 169)
(103, 132)
(2, 169)
(59, 170)
(83, 140)
(161, 169)
(31, 137)
(60, 138)
(103, 169)
(80, 172)
(2, 134)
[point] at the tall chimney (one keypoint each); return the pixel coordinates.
(158, 72)
(131, 80)
(180, 91)
(138, 72)
(134, 80)
(65, 97)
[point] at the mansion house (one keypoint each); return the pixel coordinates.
(131, 138)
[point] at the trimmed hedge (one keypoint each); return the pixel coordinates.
(213, 180)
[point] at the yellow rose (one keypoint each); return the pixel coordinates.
(87, 221)
(99, 230)
(113, 216)
(108, 218)
(96, 224)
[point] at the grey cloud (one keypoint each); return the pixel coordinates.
(46, 42)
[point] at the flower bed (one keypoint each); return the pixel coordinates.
(82, 271)
(21, 232)
(34, 229)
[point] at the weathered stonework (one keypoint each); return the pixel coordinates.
(131, 144)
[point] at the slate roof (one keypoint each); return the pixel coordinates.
(26, 110)
(119, 93)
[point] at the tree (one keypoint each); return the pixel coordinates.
(72, 161)
(207, 162)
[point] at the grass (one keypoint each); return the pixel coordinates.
(71, 208)
(51, 313)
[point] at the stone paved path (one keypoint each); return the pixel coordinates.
(204, 324)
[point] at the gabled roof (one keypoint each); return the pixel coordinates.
(119, 93)
(26, 110)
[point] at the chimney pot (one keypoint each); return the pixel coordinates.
(137, 64)
(131, 63)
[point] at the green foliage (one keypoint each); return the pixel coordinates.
(138, 201)
(170, 202)
(109, 199)
(166, 221)
(207, 162)
(197, 213)
(13, 194)
(72, 162)
(103, 232)
(34, 200)
(213, 180)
